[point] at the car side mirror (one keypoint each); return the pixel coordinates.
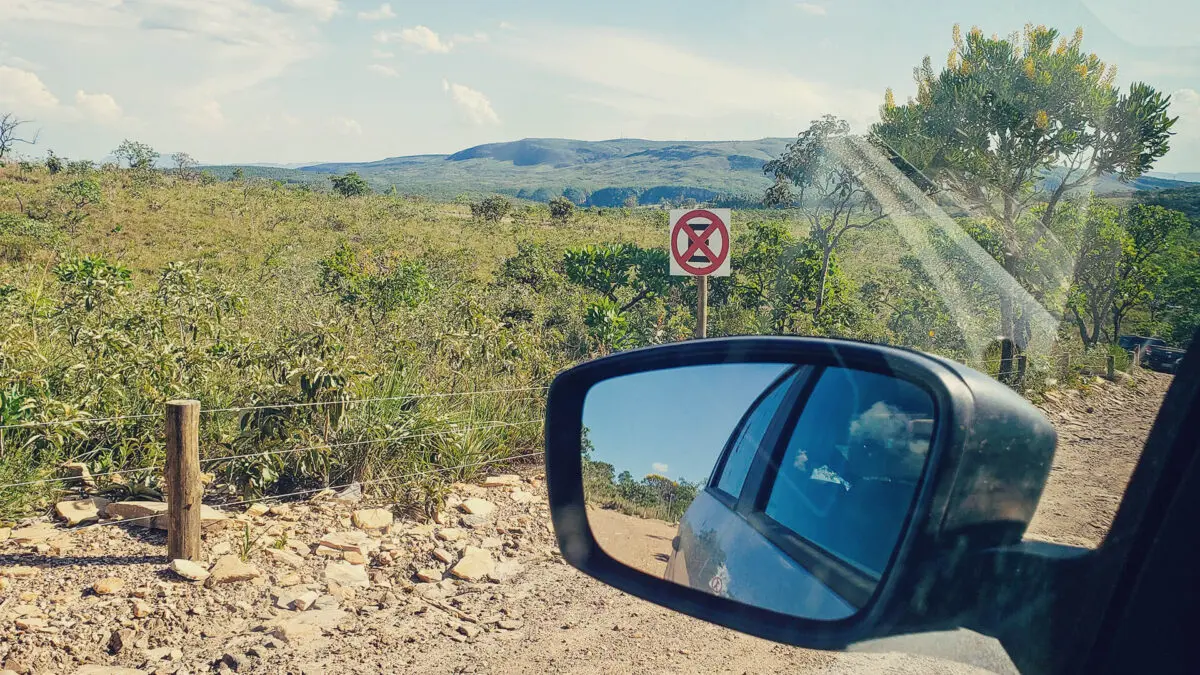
(810, 491)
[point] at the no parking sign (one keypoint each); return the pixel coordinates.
(699, 243)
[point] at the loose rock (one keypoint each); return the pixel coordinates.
(189, 570)
(230, 569)
(505, 480)
(477, 506)
(108, 586)
(20, 571)
(475, 564)
(285, 557)
(78, 511)
(346, 574)
(372, 519)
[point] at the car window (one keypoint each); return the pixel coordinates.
(750, 436)
(851, 465)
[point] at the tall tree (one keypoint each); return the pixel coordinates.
(1010, 123)
(813, 176)
(1142, 266)
(136, 155)
(1102, 247)
(9, 124)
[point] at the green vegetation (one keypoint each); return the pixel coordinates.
(352, 331)
(653, 496)
(350, 185)
(1000, 115)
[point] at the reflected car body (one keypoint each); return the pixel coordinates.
(719, 552)
(820, 507)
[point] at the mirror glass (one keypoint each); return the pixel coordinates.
(777, 485)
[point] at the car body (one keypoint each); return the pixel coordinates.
(786, 511)
(1131, 342)
(1161, 358)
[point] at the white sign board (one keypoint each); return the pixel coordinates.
(699, 244)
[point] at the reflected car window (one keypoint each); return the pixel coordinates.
(851, 466)
(753, 429)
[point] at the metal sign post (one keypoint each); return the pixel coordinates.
(699, 247)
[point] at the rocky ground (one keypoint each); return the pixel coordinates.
(331, 585)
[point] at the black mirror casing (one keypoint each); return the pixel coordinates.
(990, 454)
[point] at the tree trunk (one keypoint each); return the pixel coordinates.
(1007, 344)
(825, 255)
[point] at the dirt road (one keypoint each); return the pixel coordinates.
(644, 543)
(539, 616)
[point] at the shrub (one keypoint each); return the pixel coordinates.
(350, 185)
(561, 209)
(491, 209)
(54, 163)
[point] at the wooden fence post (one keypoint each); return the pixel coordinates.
(1022, 361)
(184, 489)
(1111, 364)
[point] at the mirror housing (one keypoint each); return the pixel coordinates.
(990, 455)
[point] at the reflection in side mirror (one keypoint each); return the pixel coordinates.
(742, 479)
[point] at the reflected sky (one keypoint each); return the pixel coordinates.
(672, 422)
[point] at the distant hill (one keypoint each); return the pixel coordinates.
(594, 173)
(599, 173)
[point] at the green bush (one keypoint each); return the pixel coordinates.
(350, 185)
(491, 209)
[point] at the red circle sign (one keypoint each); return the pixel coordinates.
(698, 242)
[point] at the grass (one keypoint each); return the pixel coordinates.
(249, 319)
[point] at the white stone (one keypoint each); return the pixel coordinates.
(346, 574)
(372, 519)
(189, 570)
(230, 569)
(475, 564)
(78, 511)
(504, 480)
(476, 506)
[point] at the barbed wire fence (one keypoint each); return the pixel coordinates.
(89, 480)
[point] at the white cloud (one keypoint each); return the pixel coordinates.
(420, 38)
(323, 10)
(346, 126)
(659, 468)
(382, 54)
(506, 25)
(473, 103)
(1185, 144)
(205, 114)
(98, 107)
(23, 90)
(477, 36)
(384, 12)
(626, 71)
(238, 44)
(810, 8)
(384, 70)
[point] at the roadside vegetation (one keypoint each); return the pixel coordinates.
(360, 326)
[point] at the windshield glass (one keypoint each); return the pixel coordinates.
(366, 235)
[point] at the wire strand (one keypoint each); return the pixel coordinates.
(210, 460)
(497, 425)
(406, 397)
(79, 478)
(117, 418)
(91, 420)
(298, 493)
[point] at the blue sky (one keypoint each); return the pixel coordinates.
(672, 422)
(321, 80)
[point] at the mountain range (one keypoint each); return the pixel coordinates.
(595, 173)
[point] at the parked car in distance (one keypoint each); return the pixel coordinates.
(1161, 358)
(1131, 342)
